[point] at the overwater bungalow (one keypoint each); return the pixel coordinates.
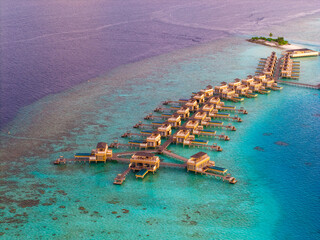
(259, 77)
(219, 89)
(146, 161)
(255, 86)
(175, 120)
(247, 81)
(228, 93)
(242, 90)
(268, 82)
(100, 154)
(165, 130)
(198, 162)
(184, 112)
(199, 96)
(154, 140)
(183, 135)
(192, 104)
(208, 91)
(192, 124)
(215, 101)
(208, 108)
(200, 115)
(234, 85)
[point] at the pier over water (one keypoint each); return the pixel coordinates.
(296, 84)
(198, 113)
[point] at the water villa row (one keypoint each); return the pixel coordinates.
(187, 122)
(289, 68)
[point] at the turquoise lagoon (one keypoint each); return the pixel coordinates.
(277, 193)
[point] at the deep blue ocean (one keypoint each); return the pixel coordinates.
(75, 73)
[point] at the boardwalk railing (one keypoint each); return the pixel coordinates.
(300, 84)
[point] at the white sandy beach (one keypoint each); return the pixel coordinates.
(274, 44)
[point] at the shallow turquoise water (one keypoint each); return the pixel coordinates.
(276, 194)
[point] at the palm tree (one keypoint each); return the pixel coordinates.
(270, 34)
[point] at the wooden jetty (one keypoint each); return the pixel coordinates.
(175, 156)
(142, 125)
(241, 110)
(173, 165)
(118, 145)
(130, 134)
(197, 112)
(297, 84)
(225, 116)
(227, 177)
(120, 178)
(165, 145)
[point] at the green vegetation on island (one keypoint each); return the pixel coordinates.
(279, 40)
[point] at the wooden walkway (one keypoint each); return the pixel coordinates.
(212, 147)
(174, 165)
(175, 156)
(277, 70)
(297, 84)
(232, 118)
(131, 153)
(221, 177)
(117, 145)
(120, 178)
(142, 125)
(130, 134)
(70, 160)
(241, 110)
(165, 145)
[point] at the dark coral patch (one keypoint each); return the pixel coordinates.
(113, 202)
(281, 143)
(28, 203)
(46, 204)
(41, 191)
(12, 210)
(62, 192)
(125, 210)
(114, 212)
(259, 149)
(267, 134)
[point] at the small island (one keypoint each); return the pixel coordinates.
(273, 42)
